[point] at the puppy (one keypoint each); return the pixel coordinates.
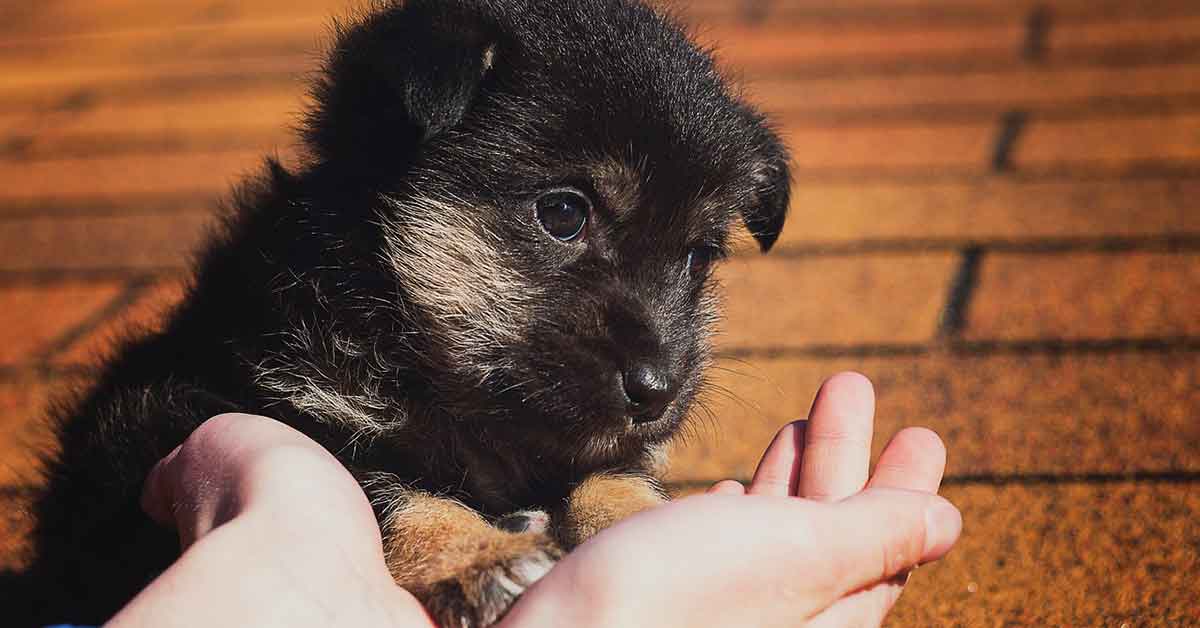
(487, 290)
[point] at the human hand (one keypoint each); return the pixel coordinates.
(803, 544)
(827, 458)
(276, 532)
(250, 497)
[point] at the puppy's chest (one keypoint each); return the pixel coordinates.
(498, 485)
(489, 482)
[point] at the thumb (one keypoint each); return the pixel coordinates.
(881, 533)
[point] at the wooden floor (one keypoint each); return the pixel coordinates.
(997, 218)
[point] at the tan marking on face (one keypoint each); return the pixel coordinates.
(454, 270)
(619, 184)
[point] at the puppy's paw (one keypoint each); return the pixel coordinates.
(482, 593)
(602, 500)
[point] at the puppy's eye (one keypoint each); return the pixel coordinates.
(700, 259)
(563, 213)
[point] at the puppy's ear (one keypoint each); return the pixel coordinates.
(765, 214)
(396, 79)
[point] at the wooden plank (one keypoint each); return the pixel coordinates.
(87, 145)
(990, 209)
(261, 118)
(32, 318)
(776, 302)
(113, 179)
(279, 37)
(932, 6)
(1086, 295)
(973, 10)
(1115, 555)
(1024, 87)
(1000, 414)
(1158, 33)
(146, 313)
(898, 147)
(34, 78)
(1116, 143)
(79, 16)
(778, 48)
(152, 85)
(1104, 143)
(256, 109)
(133, 242)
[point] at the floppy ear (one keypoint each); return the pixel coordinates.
(397, 79)
(765, 215)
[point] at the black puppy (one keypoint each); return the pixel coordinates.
(487, 291)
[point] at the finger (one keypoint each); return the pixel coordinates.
(213, 474)
(727, 487)
(915, 460)
(881, 533)
(837, 442)
(183, 472)
(779, 469)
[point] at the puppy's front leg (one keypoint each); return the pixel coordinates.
(602, 500)
(465, 571)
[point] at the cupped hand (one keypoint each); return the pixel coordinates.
(827, 458)
(275, 531)
(811, 541)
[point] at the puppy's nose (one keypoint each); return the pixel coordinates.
(649, 390)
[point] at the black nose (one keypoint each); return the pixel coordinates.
(649, 390)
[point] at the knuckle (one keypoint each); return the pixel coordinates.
(904, 549)
(840, 438)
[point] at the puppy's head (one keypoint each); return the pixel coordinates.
(549, 185)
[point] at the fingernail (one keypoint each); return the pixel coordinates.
(943, 523)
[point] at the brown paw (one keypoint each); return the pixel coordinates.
(481, 594)
(601, 501)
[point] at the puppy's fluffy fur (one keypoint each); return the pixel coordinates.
(400, 298)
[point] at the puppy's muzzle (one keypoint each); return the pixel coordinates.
(648, 389)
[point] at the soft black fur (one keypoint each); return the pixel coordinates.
(437, 122)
